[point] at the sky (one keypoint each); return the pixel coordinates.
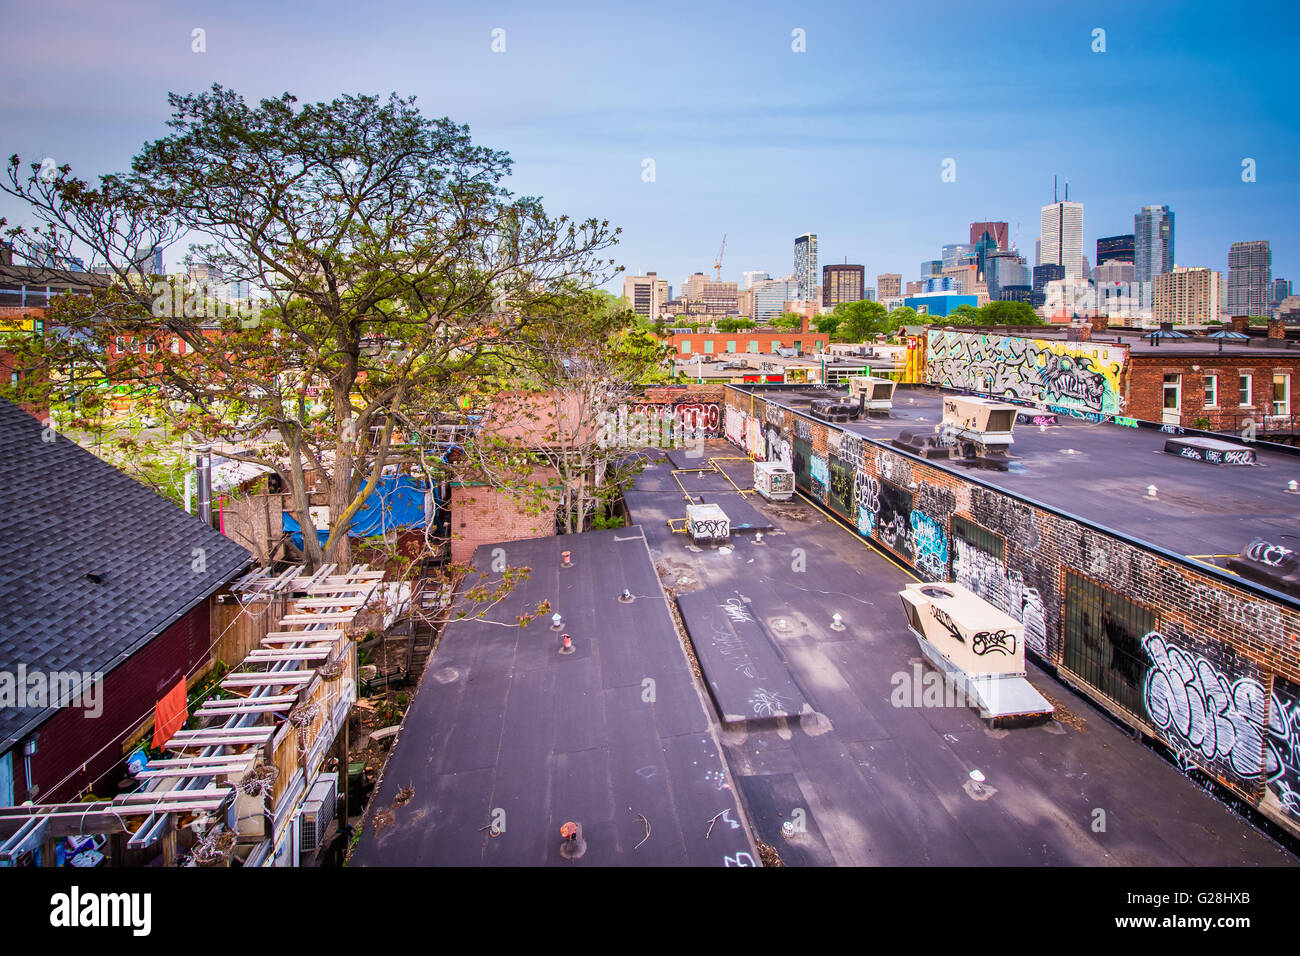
(749, 136)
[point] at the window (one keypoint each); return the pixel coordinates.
(753, 346)
(731, 345)
(1211, 391)
(1244, 391)
(798, 346)
(708, 346)
(1281, 393)
(686, 346)
(119, 345)
(1103, 640)
(150, 347)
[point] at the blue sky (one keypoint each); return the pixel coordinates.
(748, 137)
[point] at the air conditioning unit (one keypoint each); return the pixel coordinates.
(772, 481)
(832, 410)
(707, 523)
(874, 394)
(317, 812)
(979, 426)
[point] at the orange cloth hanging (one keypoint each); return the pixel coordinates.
(170, 714)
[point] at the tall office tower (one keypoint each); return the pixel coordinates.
(1045, 273)
(747, 279)
(870, 294)
(1281, 290)
(996, 231)
(1002, 269)
(1112, 271)
(842, 283)
(1115, 249)
(953, 252)
(1153, 241)
(931, 267)
(646, 294)
(1062, 237)
(889, 285)
(770, 297)
(805, 265)
(1188, 296)
(708, 296)
(1250, 270)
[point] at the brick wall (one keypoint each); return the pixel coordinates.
(484, 515)
(1215, 647)
(1146, 386)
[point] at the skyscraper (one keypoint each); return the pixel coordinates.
(1062, 237)
(646, 294)
(1250, 270)
(842, 283)
(1187, 296)
(889, 284)
(805, 265)
(1281, 290)
(953, 252)
(747, 279)
(1153, 241)
(997, 231)
(770, 297)
(1115, 249)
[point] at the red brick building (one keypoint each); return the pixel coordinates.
(753, 341)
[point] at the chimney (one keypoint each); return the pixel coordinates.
(6, 254)
(203, 465)
(1240, 323)
(1276, 329)
(806, 327)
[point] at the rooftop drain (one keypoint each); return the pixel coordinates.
(837, 622)
(566, 644)
(626, 597)
(574, 845)
(557, 621)
(565, 559)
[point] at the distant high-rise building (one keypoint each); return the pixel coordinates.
(996, 231)
(1153, 241)
(931, 267)
(239, 291)
(747, 279)
(842, 283)
(770, 297)
(1115, 249)
(1114, 270)
(805, 265)
(1250, 271)
(1281, 290)
(869, 294)
(646, 294)
(954, 252)
(1188, 296)
(1004, 268)
(1062, 237)
(889, 285)
(1045, 273)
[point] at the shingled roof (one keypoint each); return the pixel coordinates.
(66, 516)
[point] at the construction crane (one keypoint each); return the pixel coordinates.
(717, 263)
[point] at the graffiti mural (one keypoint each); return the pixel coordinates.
(778, 447)
(734, 426)
(1204, 711)
(755, 444)
(1072, 375)
(929, 544)
(820, 478)
(894, 524)
(841, 487)
(695, 418)
(985, 575)
(1282, 757)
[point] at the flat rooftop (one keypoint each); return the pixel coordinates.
(503, 728)
(866, 780)
(1100, 472)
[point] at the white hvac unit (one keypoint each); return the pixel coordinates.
(772, 481)
(317, 812)
(707, 523)
(980, 422)
(875, 394)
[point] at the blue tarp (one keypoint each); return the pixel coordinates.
(397, 502)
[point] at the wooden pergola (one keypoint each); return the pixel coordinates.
(257, 751)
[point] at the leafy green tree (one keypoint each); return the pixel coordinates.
(790, 320)
(905, 315)
(827, 323)
(963, 315)
(859, 321)
(1009, 313)
(394, 261)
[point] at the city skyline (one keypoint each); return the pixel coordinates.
(864, 169)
